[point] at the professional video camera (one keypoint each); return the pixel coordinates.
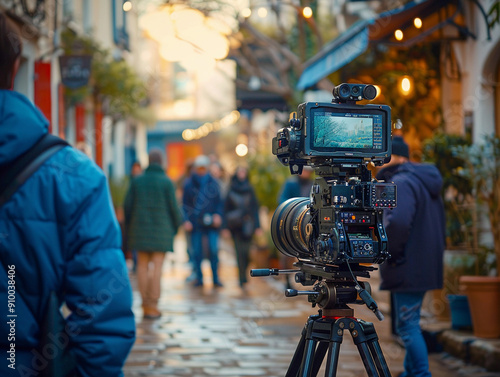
(342, 220)
(338, 232)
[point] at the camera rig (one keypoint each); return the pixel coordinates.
(342, 220)
(337, 233)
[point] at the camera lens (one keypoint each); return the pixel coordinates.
(343, 91)
(356, 90)
(370, 92)
(288, 227)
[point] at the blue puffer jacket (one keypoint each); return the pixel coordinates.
(59, 233)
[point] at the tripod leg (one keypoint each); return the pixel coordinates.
(318, 357)
(333, 359)
(378, 356)
(298, 356)
(293, 369)
(367, 360)
(309, 360)
(376, 351)
(366, 340)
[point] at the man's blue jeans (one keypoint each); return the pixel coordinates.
(213, 240)
(407, 307)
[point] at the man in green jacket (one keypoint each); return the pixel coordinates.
(152, 218)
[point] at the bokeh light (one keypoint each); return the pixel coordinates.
(241, 150)
(307, 12)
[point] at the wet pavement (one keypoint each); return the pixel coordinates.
(230, 332)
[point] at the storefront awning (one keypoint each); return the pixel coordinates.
(339, 52)
(440, 20)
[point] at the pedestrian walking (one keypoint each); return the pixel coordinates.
(241, 217)
(203, 207)
(152, 219)
(416, 234)
(59, 243)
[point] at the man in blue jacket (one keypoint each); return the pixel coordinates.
(58, 233)
(203, 208)
(416, 234)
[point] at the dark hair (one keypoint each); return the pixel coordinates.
(10, 50)
(155, 156)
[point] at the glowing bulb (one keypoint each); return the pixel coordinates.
(406, 85)
(127, 6)
(417, 22)
(398, 34)
(307, 12)
(262, 12)
(241, 150)
(247, 12)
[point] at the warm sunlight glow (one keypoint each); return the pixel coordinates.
(307, 12)
(182, 31)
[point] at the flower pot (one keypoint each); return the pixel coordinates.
(483, 294)
(460, 312)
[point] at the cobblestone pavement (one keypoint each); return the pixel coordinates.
(228, 332)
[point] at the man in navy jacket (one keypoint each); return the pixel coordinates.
(58, 233)
(203, 209)
(416, 234)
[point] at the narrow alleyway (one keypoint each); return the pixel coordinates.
(227, 332)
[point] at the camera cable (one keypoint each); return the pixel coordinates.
(366, 297)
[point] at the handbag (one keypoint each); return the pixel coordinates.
(234, 218)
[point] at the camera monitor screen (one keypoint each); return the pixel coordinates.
(347, 130)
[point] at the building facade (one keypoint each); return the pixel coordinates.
(45, 78)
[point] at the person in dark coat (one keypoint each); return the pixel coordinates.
(241, 216)
(58, 233)
(152, 217)
(203, 208)
(416, 235)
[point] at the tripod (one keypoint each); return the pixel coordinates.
(335, 288)
(324, 333)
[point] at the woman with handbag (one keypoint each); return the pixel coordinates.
(241, 216)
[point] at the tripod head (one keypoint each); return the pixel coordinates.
(333, 287)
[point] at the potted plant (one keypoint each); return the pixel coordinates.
(482, 168)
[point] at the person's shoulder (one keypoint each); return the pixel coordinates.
(71, 165)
